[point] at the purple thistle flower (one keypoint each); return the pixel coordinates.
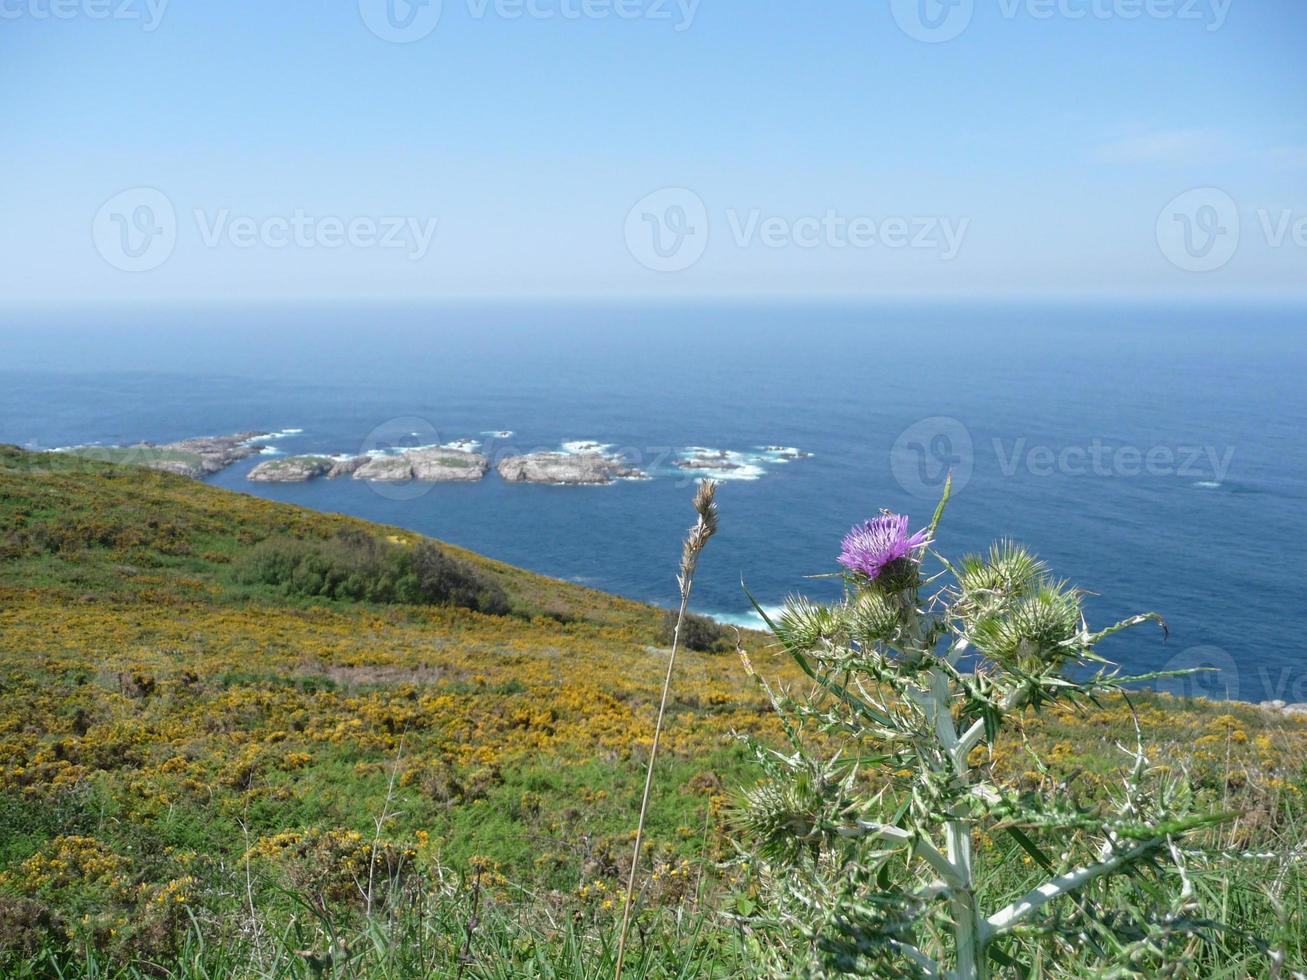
(873, 544)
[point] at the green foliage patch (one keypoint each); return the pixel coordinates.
(353, 565)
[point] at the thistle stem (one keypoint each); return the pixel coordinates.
(969, 929)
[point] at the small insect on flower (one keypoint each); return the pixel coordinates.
(874, 545)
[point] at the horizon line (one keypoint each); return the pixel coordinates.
(741, 298)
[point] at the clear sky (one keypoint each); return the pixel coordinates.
(199, 150)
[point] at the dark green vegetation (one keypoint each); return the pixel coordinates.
(355, 565)
(698, 633)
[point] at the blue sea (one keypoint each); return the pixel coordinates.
(1153, 455)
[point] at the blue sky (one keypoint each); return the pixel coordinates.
(205, 151)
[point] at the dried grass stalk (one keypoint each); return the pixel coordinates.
(705, 503)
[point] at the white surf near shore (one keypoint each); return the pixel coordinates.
(746, 620)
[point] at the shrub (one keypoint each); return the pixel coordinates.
(444, 580)
(357, 567)
(27, 928)
(697, 633)
(351, 565)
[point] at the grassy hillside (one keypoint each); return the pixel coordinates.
(200, 758)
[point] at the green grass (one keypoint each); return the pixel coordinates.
(135, 455)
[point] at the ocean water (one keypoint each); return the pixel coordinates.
(1155, 456)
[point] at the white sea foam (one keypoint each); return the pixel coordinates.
(499, 433)
(783, 454)
(577, 447)
(279, 434)
(463, 445)
(730, 464)
(1208, 484)
(720, 464)
(747, 620)
(400, 450)
(460, 445)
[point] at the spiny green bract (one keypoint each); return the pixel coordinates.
(1034, 629)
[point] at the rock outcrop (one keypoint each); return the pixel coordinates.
(1278, 706)
(714, 460)
(195, 458)
(290, 469)
(347, 466)
(568, 469)
(218, 452)
(435, 465)
(385, 469)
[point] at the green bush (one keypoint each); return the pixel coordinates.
(446, 581)
(357, 567)
(697, 633)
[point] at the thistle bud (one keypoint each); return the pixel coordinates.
(874, 618)
(1034, 631)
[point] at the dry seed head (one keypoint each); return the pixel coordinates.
(705, 502)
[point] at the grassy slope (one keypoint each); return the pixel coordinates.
(160, 721)
(121, 621)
